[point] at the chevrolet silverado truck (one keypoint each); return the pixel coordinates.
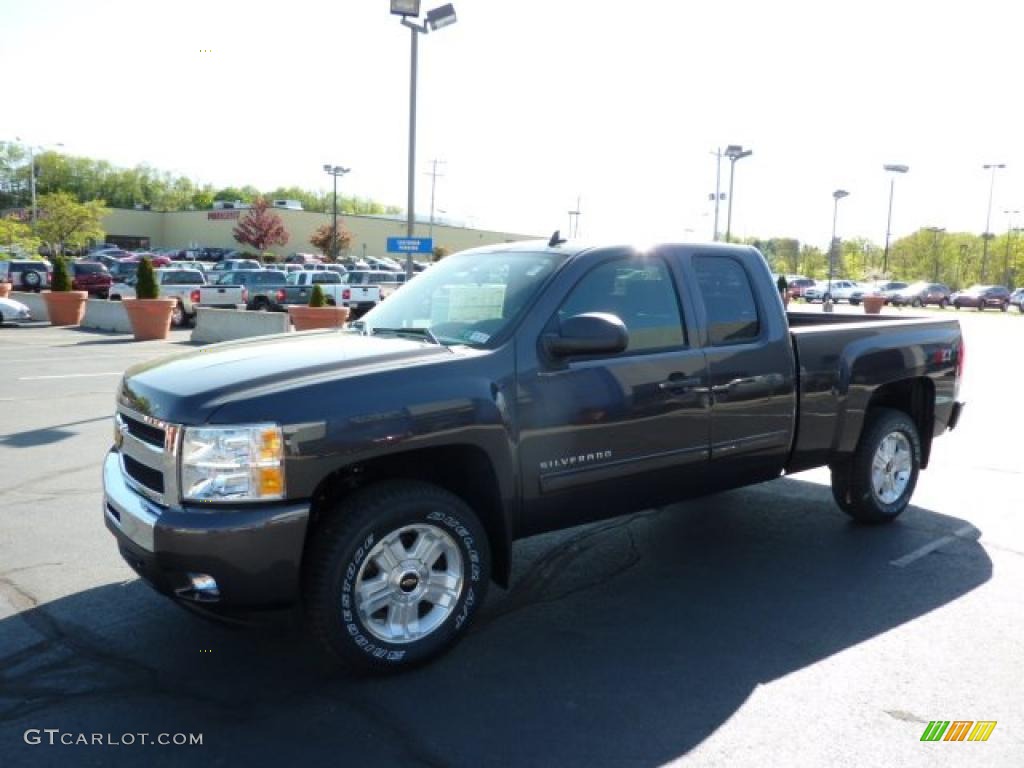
(251, 288)
(378, 476)
(181, 284)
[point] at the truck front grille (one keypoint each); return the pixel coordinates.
(146, 476)
(149, 449)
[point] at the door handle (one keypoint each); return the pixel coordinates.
(679, 383)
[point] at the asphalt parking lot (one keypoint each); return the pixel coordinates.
(757, 627)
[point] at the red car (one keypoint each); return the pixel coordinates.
(92, 277)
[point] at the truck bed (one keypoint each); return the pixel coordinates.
(843, 359)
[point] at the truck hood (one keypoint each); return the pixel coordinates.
(188, 388)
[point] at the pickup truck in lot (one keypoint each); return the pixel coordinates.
(252, 288)
(337, 290)
(378, 476)
(181, 284)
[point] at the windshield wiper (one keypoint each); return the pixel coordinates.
(424, 333)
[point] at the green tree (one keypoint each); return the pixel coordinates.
(16, 238)
(65, 222)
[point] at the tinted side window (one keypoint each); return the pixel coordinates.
(728, 300)
(640, 293)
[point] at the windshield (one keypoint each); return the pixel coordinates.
(466, 298)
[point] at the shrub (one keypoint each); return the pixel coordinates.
(783, 286)
(61, 281)
(317, 298)
(146, 287)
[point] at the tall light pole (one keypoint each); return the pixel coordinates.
(936, 231)
(335, 171)
(1009, 234)
(987, 234)
(734, 152)
(439, 17)
(32, 174)
(717, 194)
(838, 195)
(888, 224)
(574, 219)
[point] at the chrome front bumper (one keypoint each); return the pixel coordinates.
(132, 514)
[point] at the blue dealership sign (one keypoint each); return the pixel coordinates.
(410, 245)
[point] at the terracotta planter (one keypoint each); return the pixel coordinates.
(150, 318)
(312, 318)
(873, 305)
(65, 307)
(5, 290)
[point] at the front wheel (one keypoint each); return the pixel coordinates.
(1003, 307)
(395, 575)
(981, 306)
(876, 484)
(943, 303)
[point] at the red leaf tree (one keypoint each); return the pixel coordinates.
(261, 227)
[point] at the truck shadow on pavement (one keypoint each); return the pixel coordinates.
(628, 641)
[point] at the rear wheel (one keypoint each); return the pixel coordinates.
(943, 303)
(876, 484)
(916, 303)
(1004, 306)
(395, 575)
(178, 315)
(981, 306)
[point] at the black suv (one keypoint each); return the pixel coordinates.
(26, 274)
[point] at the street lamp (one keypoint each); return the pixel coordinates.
(335, 171)
(442, 16)
(936, 231)
(32, 173)
(838, 195)
(734, 152)
(987, 235)
(888, 224)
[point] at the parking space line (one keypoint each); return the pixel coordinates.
(927, 549)
(70, 376)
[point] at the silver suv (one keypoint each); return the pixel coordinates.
(26, 274)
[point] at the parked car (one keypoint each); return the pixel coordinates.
(11, 310)
(302, 258)
(798, 285)
(377, 478)
(920, 294)
(877, 288)
(92, 277)
(236, 265)
(26, 274)
(180, 284)
(1017, 299)
(981, 296)
(840, 289)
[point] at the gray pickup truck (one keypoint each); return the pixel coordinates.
(378, 477)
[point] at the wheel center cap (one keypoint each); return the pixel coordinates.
(408, 582)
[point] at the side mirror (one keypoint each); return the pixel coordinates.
(592, 333)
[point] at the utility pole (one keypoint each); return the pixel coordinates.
(433, 174)
(718, 188)
(987, 234)
(574, 220)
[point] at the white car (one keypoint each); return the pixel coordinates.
(840, 290)
(13, 310)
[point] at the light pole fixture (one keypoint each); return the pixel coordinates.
(335, 171)
(838, 195)
(987, 234)
(894, 169)
(1009, 233)
(936, 231)
(32, 174)
(442, 16)
(717, 195)
(734, 152)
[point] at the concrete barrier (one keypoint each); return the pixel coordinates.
(34, 302)
(213, 325)
(106, 315)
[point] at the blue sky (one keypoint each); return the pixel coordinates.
(531, 103)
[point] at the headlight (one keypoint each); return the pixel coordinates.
(237, 463)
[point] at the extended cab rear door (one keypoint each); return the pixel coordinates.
(750, 360)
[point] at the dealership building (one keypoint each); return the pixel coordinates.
(185, 229)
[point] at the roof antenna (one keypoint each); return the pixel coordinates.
(556, 239)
